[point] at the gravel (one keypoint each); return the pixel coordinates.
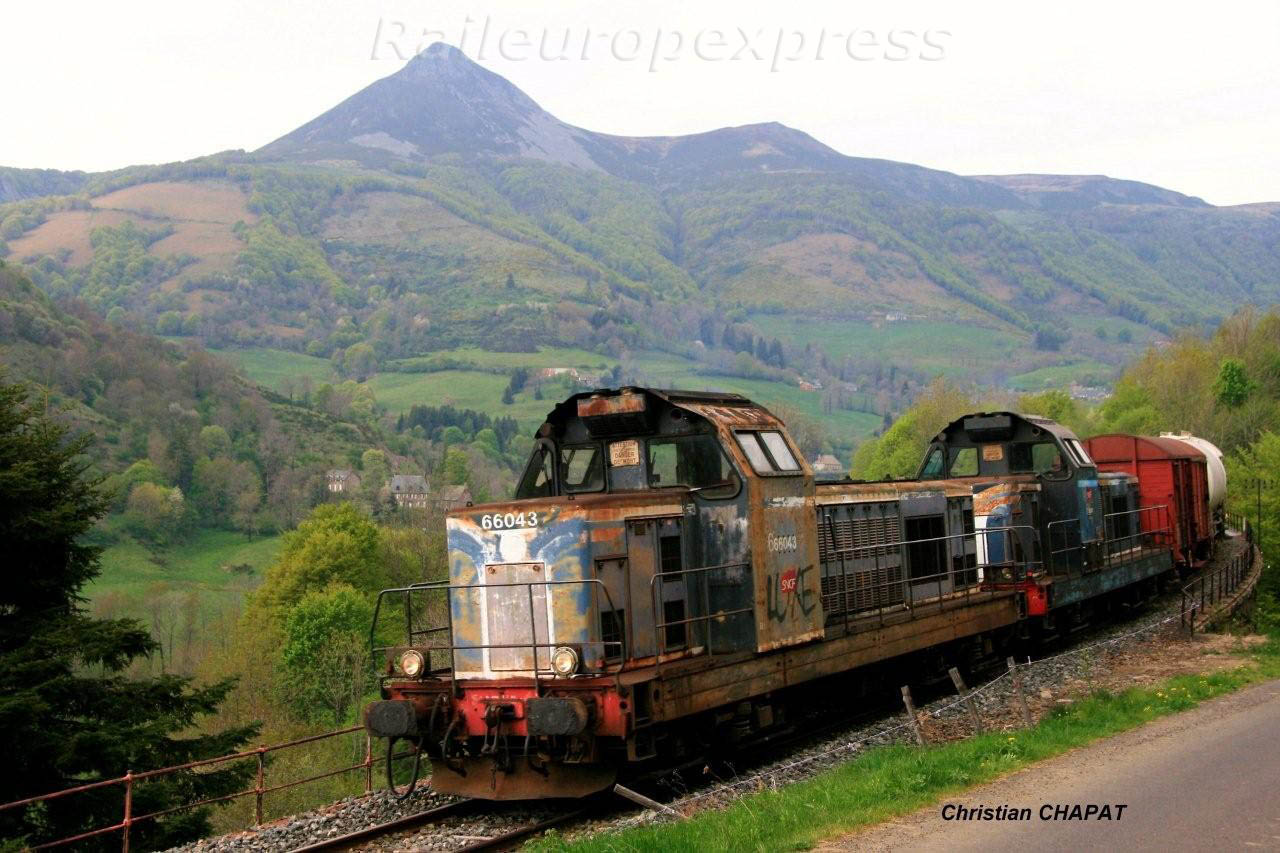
(334, 819)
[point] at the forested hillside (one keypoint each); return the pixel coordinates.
(202, 469)
(441, 209)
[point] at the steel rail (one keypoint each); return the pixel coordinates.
(407, 822)
(461, 807)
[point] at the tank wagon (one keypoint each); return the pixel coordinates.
(669, 576)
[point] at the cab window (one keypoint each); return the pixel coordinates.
(1040, 457)
(964, 462)
(932, 465)
(1078, 451)
(539, 478)
(581, 469)
(691, 461)
(777, 447)
(768, 452)
(751, 446)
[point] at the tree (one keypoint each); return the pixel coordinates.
(337, 543)
(1232, 387)
(154, 512)
(374, 474)
(69, 714)
(215, 442)
(1056, 405)
(1258, 461)
(899, 451)
(325, 656)
(223, 492)
(359, 361)
(457, 466)
(1050, 338)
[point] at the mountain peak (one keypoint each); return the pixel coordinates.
(440, 101)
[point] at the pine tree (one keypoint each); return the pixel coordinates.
(69, 714)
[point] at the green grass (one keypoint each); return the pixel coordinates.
(464, 389)
(271, 367)
(1058, 375)
(132, 574)
(544, 357)
(888, 782)
(952, 349)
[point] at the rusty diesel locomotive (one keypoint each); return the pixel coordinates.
(670, 576)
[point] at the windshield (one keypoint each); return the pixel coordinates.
(933, 465)
(538, 480)
(1040, 457)
(581, 469)
(693, 461)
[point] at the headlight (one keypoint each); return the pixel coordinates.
(412, 663)
(564, 661)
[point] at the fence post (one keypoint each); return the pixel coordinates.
(968, 699)
(258, 786)
(1022, 697)
(911, 715)
(368, 762)
(128, 810)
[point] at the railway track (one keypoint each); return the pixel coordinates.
(462, 808)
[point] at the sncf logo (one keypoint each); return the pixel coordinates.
(787, 583)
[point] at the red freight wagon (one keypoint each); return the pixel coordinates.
(1170, 473)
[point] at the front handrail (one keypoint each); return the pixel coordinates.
(1148, 539)
(533, 646)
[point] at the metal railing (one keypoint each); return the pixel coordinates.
(130, 781)
(904, 595)
(1212, 587)
(532, 646)
(1152, 534)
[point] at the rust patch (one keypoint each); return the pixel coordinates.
(612, 533)
(598, 405)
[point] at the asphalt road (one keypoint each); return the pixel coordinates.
(1206, 779)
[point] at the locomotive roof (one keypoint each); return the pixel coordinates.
(630, 406)
(979, 426)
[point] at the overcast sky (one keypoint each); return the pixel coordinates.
(1185, 98)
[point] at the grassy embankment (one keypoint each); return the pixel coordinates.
(206, 564)
(891, 781)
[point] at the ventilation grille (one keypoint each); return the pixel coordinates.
(857, 539)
